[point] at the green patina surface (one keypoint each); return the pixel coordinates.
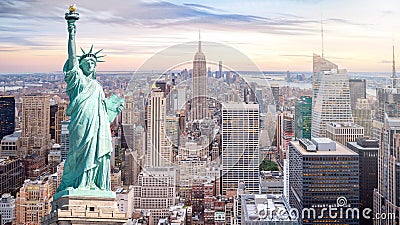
(85, 193)
(87, 167)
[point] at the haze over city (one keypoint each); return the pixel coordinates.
(276, 35)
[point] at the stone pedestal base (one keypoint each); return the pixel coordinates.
(80, 210)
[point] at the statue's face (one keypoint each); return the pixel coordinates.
(88, 66)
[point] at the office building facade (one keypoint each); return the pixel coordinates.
(322, 171)
(367, 150)
(331, 98)
(240, 146)
(302, 117)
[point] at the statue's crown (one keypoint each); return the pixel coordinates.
(91, 55)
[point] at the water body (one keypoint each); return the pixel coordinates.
(279, 80)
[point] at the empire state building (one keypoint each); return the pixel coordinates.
(199, 86)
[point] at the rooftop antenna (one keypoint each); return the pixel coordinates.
(394, 81)
(322, 37)
(199, 42)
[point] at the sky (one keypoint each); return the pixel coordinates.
(277, 35)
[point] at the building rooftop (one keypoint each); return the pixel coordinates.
(340, 149)
(178, 214)
(239, 105)
(365, 143)
(345, 125)
(6, 160)
(262, 207)
(393, 121)
(12, 137)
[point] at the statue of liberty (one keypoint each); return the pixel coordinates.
(87, 166)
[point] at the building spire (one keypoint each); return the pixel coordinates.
(322, 37)
(394, 77)
(199, 42)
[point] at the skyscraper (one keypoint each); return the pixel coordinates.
(386, 197)
(53, 112)
(219, 70)
(64, 139)
(302, 117)
(134, 157)
(320, 64)
(362, 115)
(7, 115)
(367, 150)
(386, 128)
(199, 86)
(358, 89)
(59, 117)
(275, 94)
(284, 134)
(35, 122)
(159, 151)
(240, 150)
(332, 96)
(320, 173)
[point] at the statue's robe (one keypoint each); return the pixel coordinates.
(88, 162)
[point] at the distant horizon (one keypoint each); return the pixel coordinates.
(155, 71)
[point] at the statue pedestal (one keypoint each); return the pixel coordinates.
(77, 210)
(84, 193)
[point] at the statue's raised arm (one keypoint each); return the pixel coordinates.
(71, 17)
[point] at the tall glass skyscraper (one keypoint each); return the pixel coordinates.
(332, 96)
(7, 115)
(302, 117)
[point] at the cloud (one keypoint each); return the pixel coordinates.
(386, 61)
(296, 55)
(200, 6)
(33, 14)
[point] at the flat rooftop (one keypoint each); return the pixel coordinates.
(355, 144)
(261, 207)
(393, 121)
(340, 150)
(239, 105)
(344, 125)
(12, 137)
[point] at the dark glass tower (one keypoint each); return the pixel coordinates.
(7, 115)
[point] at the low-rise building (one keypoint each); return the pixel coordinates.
(265, 210)
(7, 209)
(33, 202)
(125, 200)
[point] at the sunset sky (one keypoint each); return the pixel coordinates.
(275, 34)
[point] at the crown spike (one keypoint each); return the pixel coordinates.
(90, 54)
(98, 51)
(91, 48)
